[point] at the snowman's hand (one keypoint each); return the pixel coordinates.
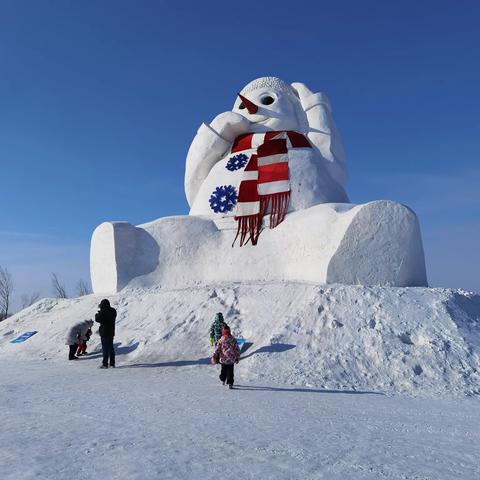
(210, 144)
(303, 91)
(323, 133)
(229, 125)
(308, 99)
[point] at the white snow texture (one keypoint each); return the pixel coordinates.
(416, 341)
(172, 422)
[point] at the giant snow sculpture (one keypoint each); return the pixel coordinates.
(266, 187)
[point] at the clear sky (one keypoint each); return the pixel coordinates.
(99, 101)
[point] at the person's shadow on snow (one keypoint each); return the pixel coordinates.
(274, 348)
(175, 363)
(119, 350)
(304, 390)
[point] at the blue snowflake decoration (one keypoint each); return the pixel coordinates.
(236, 162)
(223, 199)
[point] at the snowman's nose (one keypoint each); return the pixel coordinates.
(251, 107)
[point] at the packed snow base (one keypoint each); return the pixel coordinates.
(64, 420)
(415, 341)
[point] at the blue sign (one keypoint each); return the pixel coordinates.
(23, 337)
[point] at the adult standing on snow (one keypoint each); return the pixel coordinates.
(106, 318)
(228, 353)
(216, 328)
(76, 335)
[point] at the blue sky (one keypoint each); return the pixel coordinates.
(99, 101)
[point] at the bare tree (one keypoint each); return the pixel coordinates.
(58, 289)
(6, 288)
(28, 300)
(83, 288)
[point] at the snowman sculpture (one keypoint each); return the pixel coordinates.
(266, 187)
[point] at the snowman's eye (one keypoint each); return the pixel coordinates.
(241, 106)
(268, 100)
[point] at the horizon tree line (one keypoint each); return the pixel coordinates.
(26, 300)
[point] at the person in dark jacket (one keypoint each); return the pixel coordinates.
(106, 318)
(216, 329)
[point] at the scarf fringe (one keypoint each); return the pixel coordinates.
(251, 225)
(279, 206)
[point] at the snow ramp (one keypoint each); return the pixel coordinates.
(413, 341)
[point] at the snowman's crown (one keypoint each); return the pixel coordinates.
(275, 83)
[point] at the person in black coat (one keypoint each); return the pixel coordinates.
(106, 318)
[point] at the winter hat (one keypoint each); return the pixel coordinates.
(104, 303)
(89, 322)
(225, 330)
(274, 83)
(219, 317)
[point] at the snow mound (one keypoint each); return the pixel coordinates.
(415, 341)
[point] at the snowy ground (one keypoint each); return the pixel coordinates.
(414, 341)
(336, 382)
(172, 420)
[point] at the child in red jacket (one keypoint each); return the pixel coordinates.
(227, 353)
(82, 347)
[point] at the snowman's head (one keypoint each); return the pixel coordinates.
(278, 105)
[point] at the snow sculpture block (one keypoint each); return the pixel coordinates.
(119, 253)
(269, 175)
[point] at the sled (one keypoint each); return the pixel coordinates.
(23, 337)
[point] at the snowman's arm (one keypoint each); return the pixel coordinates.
(207, 148)
(322, 131)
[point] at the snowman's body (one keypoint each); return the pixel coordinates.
(323, 238)
(310, 182)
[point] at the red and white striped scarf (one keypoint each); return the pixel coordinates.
(265, 182)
